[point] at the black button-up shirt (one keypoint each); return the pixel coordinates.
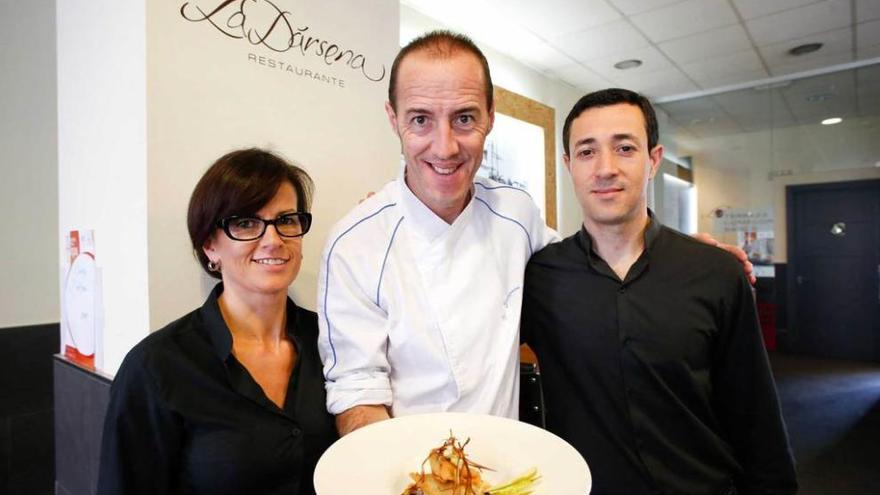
(185, 417)
(660, 380)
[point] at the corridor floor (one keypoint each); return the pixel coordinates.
(832, 410)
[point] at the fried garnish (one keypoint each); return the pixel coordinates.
(453, 473)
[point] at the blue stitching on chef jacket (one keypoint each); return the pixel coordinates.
(382, 272)
(489, 188)
(481, 200)
(327, 285)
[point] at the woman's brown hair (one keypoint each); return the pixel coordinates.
(240, 183)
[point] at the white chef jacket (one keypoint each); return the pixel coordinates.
(423, 316)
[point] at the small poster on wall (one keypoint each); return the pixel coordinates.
(82, 313)
(728, 219)
(754, 234)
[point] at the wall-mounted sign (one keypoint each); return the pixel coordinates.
(743, 220)
(754, 232)
(287, 42)
(775, 174)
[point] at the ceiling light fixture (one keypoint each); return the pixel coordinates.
(628, 64)
(776, 85)
(819, 97)
(804, 49)
(832, 121)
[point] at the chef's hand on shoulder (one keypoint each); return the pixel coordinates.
(734, 250)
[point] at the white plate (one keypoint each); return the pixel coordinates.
(377, 459)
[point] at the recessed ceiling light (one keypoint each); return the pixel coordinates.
(628, 64)
(804, 49)
(832, 121)
(819, 97)
(776, 85)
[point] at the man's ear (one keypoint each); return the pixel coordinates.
(392, 117)
(656, 157)
(491, 118)
(567, 161)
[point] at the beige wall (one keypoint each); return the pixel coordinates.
(718, 188)
(29, 164)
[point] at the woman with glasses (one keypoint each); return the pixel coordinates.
(229, 399)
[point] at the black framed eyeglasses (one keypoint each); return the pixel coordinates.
(241, 228)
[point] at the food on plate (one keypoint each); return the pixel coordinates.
(453, 473)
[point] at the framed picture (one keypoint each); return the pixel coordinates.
(521, 149)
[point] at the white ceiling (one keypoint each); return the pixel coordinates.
(849, 94)
(777, 127)
(685, 45)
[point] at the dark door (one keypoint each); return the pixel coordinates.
(834, 269)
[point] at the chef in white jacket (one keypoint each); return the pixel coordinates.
(420, 285)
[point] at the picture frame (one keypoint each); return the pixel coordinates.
(511, 137)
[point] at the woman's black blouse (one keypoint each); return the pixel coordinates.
(185, 417)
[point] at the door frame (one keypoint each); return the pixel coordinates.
(794, 344)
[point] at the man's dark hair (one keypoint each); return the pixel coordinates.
(240, 183)
(440, 44)
(608, 97)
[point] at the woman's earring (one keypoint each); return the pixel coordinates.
(213, 266)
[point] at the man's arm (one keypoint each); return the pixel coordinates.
(353, 336)
(360, 416)
(746, 401)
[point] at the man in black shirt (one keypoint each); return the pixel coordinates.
(653, 362)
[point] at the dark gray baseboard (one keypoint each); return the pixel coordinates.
(26, 408)
(81, 398)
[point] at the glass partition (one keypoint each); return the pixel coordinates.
(744, 147)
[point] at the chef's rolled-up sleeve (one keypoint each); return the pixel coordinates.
(353, 336)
